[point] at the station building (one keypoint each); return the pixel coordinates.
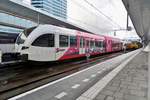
(57, 8)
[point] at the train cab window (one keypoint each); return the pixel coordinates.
(73, 41)
(63, 41)
(28, 31)
(46, 40)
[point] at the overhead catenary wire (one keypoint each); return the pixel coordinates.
(85, 23)
(101, 12)
(81, 21)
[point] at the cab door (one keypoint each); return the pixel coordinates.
(43, 48)
(108, 45)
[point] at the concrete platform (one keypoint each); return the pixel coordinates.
(76, 85)
(131, 83)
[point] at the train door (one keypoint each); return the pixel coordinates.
(82, 49)
(74, 45)
(87, 49)
(104, 46)
(62, 46)
(108, 45)
(92, 45)
(111, 46)
(43, 48)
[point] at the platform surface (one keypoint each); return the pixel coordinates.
(131, 83)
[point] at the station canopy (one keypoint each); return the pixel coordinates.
(98, 17)
(139, 11)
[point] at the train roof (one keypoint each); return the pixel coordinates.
(57, 29)
(60, 30)
(112, 38)
(89, 35)
(67, 31)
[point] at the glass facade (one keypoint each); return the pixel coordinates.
(55, 7)
(12, 20)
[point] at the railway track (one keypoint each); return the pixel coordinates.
(18, 79)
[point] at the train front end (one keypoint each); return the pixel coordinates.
(20, 46)
(41, 44)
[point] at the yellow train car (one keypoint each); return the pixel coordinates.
(133, 45)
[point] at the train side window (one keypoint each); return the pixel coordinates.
(81, 42)
(96, 43)
(87, 43)
(46, 40)
(101, 43)
(73, 41)
(92, 44)
(63, 41)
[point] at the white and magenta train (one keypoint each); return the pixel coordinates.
(51, 43)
